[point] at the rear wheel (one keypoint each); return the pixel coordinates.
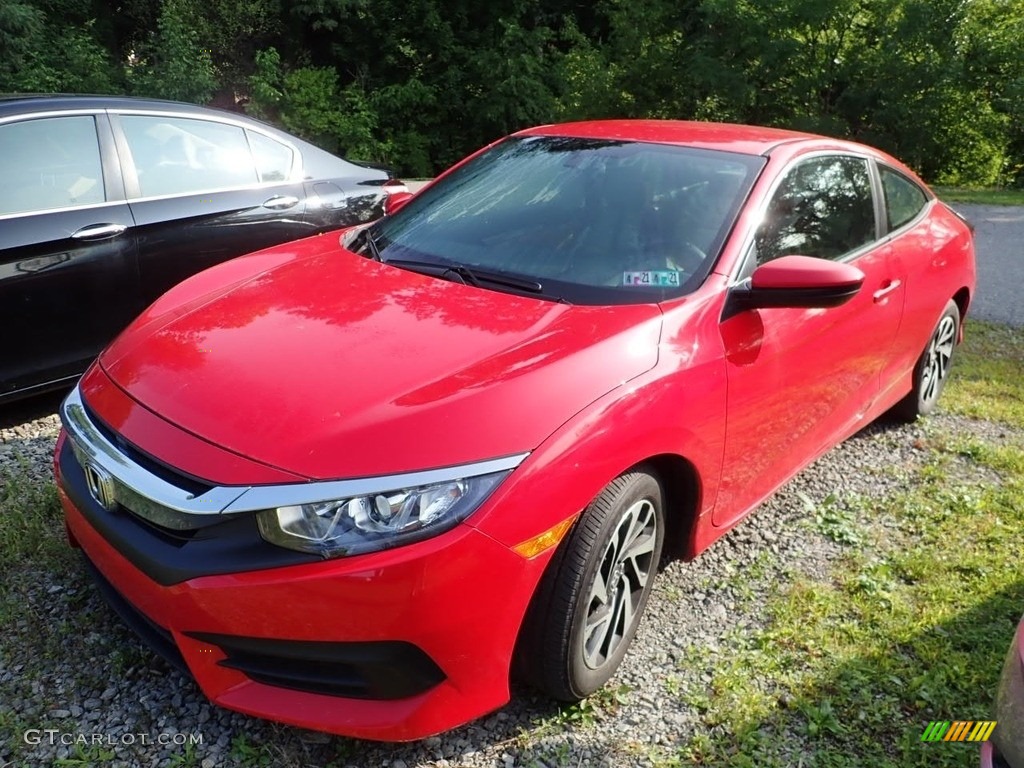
(595, 590)
(932, 369)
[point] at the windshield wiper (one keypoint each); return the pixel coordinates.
(475, 276)
(465, 273)
(371, 244)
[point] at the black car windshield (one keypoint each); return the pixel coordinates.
(591, 221)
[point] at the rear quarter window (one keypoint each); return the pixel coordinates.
(904, 199)
(273, 159)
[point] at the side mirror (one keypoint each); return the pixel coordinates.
(395, 200)
(798, 281)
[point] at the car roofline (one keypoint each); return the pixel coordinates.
(12, 104)
(725, 137)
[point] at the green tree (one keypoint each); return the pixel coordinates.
(909, 93)
(53, 46)
(441, 79)
(173, 63)
(419, 83)
(309, 103)
(930, 80)
(232, 31)
(990, 46)
(20, 24)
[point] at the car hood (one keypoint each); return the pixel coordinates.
(329, 365)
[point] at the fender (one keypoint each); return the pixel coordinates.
(569, 469)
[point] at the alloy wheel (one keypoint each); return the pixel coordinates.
(614, 600)
(940, 352)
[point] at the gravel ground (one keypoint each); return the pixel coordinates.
(84, 673)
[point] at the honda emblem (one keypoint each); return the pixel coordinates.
(101, 486)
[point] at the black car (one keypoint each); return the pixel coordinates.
(106, 202)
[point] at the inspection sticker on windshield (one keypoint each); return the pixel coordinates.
(658, 278)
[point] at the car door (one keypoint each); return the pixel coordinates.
(68, 278)
(203, 191)
(915, 243)
(800, 380)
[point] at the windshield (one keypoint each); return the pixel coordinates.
(581, 220)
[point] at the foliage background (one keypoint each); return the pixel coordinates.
(419, 83)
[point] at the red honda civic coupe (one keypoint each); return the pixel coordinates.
(354, 481)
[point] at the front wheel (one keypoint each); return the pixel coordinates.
(595, 590)
(932, 369)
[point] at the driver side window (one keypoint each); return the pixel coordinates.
(822, 208)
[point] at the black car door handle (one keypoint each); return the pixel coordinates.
(99, 231)
(280, 202)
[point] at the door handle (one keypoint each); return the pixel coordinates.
(99, 231)
(881, 293)
(280, 202)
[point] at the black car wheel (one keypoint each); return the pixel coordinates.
(932, 369)
(595, 590)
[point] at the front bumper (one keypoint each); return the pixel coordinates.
(395, 645)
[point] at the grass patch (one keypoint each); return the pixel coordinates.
(912, 625)
(984, 196)
(251, 753)
(585, 714)
(910, 629)
(86, 757)
(33, 526)
(988, 374)
(33, 540)
(835, 520)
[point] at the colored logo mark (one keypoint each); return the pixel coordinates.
(958, 730)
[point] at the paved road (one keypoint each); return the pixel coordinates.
(999, 240)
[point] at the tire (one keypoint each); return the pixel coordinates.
(594, 591)
(932, 369)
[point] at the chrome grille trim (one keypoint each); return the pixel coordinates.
(154, 499)
(135, 487)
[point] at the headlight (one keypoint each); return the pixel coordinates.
(368, 523)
